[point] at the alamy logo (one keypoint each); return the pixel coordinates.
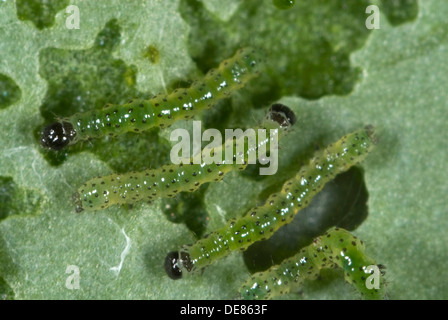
(209, 165)
(373, 20)
(72, 281)
(72, 21)
(373, 281)
(235, 151)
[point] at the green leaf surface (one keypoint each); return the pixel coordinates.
(394, 78)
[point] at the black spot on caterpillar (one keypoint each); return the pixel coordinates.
(336, 248)
(170, 180)
(162, 110)
(261, 222)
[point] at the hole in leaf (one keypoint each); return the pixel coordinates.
(40, 12)
(17, 201)
(9, 91)
(400, 11)
(6, 293)
(84, 80)
(188, 208)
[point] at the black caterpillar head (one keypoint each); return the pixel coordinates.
(171, 265)
(57, 135)
(282, 114)
(172, 262)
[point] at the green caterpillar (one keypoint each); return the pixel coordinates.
(169, 180)
(336, 248)
(162, 110)
(261, 222)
